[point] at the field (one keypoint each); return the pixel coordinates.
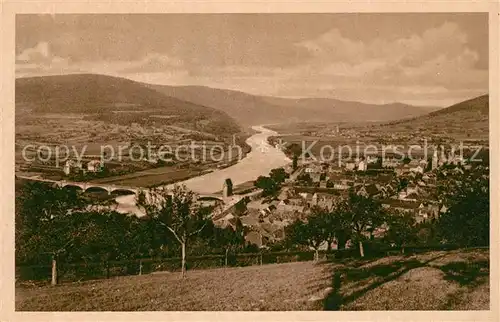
(454, 280)
(151, 177)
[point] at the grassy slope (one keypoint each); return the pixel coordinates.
(90, 93)
(471, 115)
(455, 280)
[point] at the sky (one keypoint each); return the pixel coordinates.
(432, 59)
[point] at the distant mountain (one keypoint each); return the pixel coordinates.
(250, 109)
(478, 106)
(101, 95)
(468, 119)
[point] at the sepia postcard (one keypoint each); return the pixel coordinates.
(203, 161)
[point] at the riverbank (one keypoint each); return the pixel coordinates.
(262, 158)
(260, 161)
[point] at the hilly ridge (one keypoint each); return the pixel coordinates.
(465, 120)
(91, 93)
(250, 109)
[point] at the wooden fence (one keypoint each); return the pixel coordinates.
(68, 272)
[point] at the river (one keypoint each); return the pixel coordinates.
(260, 161)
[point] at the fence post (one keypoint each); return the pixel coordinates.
(260, 258)
(54, 270)
(107, 269)
(140, 267)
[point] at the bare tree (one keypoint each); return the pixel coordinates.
(177, 211)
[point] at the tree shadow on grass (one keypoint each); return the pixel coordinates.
(382, 273)
(466, 273)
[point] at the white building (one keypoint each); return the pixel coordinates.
(95, 166)
(362, 166)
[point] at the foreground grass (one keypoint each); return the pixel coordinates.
(456, 280)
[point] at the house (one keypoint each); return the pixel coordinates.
(227, 221)
(95, 166)
(457, 171)
(350, 166)
(340, 186)
(250, 220)
(370, 190)
(258, 238)
(67, 168)
(316, 177)
(256, 205)
(387, 191)
(295, 201)
(334, 168)
(371, 159)
(413, 188)
(326, 200)
(284, 194)
(274, 231)
(384, 178)
(309, 170)
(71, 166)
(362, 165)
(424, 163)
(427, 211)
(401, 206)
(421, 183)
(412, 196)
(390, 162)
(417, 169)
(283, 202)
(305, 195)
(414, 163)
(289, 210)
(402, 169)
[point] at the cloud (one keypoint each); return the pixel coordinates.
(154, 63)
(39, 60)
(332, 47)
(38, 54)
(438, 57)
(436, 64)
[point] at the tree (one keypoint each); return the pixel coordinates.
(267, 184)
(178, 212)
(294, 149)
(312, 233)
(295, 160)
(466, 221)
(402, 229)
(305, 179)
(402, 184)
(340, 223)
(40, 215)
(230, 238)
(365, 214)
(278, 175)
(60, 222)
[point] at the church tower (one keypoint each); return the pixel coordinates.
(227, 188)
(435, 160)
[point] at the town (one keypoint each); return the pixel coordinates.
(399, 184)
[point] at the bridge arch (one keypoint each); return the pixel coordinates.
(72, 186)
(210, 197)
(91, 189)
(123, 192)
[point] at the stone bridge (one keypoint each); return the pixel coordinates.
(84, 186)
